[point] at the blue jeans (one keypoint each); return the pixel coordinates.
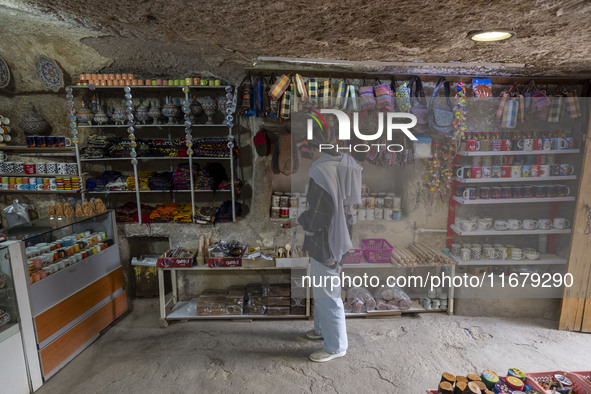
(329, 313)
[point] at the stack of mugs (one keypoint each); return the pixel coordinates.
(467, 252)
(287, 205)
(436, 299)
(529, 143)
(48, 258)
(378, 206)
(511, 191)
(476, 223)
(513, 171)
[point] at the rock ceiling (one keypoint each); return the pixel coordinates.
(164, 38)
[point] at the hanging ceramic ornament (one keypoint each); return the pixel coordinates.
(4, 74)
(50, 73)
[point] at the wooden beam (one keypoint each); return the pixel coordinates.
(575, 313)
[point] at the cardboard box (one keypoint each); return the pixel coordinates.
(224, 262)
(186, 260)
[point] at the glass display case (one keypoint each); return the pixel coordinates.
(8, 307)
(19, 364)
(74, 282)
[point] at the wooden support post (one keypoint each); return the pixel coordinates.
(575, 313)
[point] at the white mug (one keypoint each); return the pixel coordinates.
(467, 225)
(502, 253)
(530, 224)
(466, 254)
(484, 224)
(561, 223)
(514, 224)
(544, 170)
(544, 224)
(491, 253)
(501, 225)
(517, 254)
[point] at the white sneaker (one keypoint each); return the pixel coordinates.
(312, 335)
(321, 356)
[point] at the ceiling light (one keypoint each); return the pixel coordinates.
(490, 35)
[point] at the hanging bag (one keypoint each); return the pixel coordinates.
(418, 104)
(280, 86)
(384, 99)
(313, 92)
(273, 102)
(325, 94)
(402, 93)
(367, 99)
(441, 118)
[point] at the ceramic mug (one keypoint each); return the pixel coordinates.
(491, 253)
(472, 145)
(551, 191)
(544, 170)
(51, 168)
(539, 191)
(566, 169)
(530, 224)
(470, 193)
(465, 254)
(516, 191)
(558, 144)
(502, 252)
(476, 172)
(561, 223)
(62, 141)
(506, 171)
(467, 225)
(546, 144)
(514, 224)
(485, 145)
(562, 190)
(517, 254)
(496, 171)
(525, 171)
(515, 171)
(455, 249)
(476, 253)
(484, 193)
(464, 172)
(71, 168)
(544, 224)
(484, 224)
(487, 172)
(495, 192)
(534, 170)
(501, 225)
(526, 144)
(554, 169)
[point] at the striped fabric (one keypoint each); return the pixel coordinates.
(540, 99)
(509, 117)
(285, 108)
(339, 99)
(385, 98)
(279, 87)
(366, 98)
(353, 98)
(504, 98)
(293, 88)
(521, 100)
(555, 107)
(572, 105)
(313, 92)
(301, 87)
(325, 94)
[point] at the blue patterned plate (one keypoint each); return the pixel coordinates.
(50, 73)
(4, 74)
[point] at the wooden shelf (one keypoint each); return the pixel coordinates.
(458, 231)
(41, 191)
(40, 175)
(153, 158)
(464, 201)
(152, 191)
(548, 259)
(528, 179)
(23, 149)
(169, 87)
(519, 152)
(141, 126)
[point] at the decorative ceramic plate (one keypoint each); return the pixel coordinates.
(4, 74)
(50, 73)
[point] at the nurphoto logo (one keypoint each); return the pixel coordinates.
(391, 120)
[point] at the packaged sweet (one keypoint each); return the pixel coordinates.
(359, 300)
(392, 298)
(482, 87)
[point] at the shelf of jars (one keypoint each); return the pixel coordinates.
(147, 112)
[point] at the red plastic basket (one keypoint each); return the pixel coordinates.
(580, 386)
(376, 250)
(355, 256)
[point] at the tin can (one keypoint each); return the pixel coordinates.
(284, 213)
(379, 213)
(362, 214)
(397, 203)
(371, 202)
(387, 214)
(379, 202)
(293, 212)
(371, 214)
(397, 214)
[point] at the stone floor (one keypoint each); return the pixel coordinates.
(401, 355)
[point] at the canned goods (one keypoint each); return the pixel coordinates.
(284, 213)
(396, 214)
